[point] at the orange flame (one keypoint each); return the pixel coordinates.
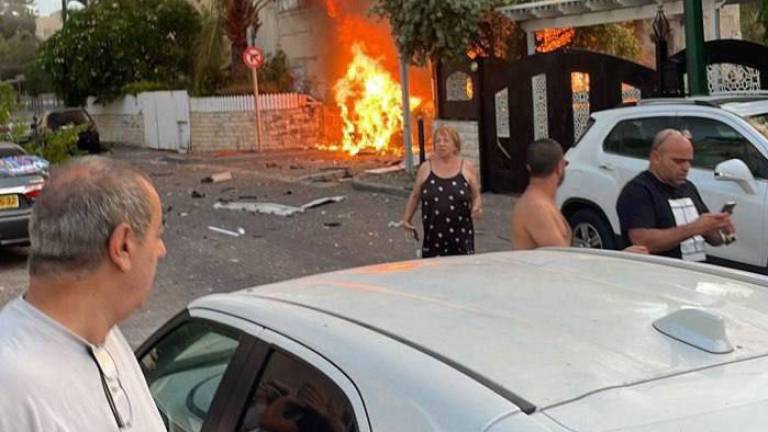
(370, 104)
(330, 6)
(551, 39)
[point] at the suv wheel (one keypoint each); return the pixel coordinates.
(590, 230)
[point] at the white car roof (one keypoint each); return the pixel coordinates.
(550, 326)
(741, 106)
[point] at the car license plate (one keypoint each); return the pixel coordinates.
(9, 201)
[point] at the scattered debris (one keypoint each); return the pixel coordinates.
(228, 189)
(274, 208)
(249, 197)
(234, 260)
(224, 231)
(332, 224)
(218, 177)
(323, 201)
(393, 224)
(385, 170)
(196, 194)
(263, 208)
(296, 167)
(288, 192)
(183, 214)
(270, 165)
(169, 209)
(325, 176)
(161, 174)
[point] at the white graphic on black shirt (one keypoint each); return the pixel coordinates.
(685, 212)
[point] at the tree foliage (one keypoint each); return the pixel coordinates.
(209, 59)
(7, 103)
(238, 16)
(16, 17)
(112, 43)
(433, 29)
(615, 39)
(763, 20)
(17, 37)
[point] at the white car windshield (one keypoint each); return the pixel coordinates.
(759, 122)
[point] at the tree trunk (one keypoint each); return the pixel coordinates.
(237, 69)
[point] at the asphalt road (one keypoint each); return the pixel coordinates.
(341, 235)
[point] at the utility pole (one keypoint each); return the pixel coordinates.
(694, 48)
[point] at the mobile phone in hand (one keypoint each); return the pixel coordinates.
(728, 207)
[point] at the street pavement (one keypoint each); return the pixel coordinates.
(335, 236)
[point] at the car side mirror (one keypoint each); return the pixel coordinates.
(736, 170)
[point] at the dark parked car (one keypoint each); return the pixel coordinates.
(69, 117)
(21, 181)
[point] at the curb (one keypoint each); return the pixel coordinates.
(380, 188)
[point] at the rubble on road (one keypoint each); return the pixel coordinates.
(323, 201)
(237, 233)
(275, 208)
(257, 207)
(218, 177)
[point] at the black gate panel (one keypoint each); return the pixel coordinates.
(503, 158)
(733, 51)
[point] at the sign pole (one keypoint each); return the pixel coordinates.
(253, 57)
(404, 85)
(256, 107)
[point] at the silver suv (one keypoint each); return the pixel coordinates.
(730, 136)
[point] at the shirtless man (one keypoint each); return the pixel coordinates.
(536, 220)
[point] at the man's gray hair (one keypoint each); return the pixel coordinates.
(81, 204)
(663, 135)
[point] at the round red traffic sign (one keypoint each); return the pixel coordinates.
(253, 57)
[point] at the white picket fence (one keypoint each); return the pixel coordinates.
(40, 104)
(242, 103)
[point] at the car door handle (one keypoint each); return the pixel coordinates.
(608, 167)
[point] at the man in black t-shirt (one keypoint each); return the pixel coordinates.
(663, 211)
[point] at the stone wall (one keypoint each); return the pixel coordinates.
(281, 129)
(120, 128)
(470, 138)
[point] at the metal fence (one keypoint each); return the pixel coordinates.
(242, 103)
(41, 103)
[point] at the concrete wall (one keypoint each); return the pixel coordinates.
(120, 128)
(281, 129)
(470, 138)
(120, 121)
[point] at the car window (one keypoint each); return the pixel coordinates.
(294, 396)
(184, 371)
(10, 151)
(715, 142)
(759, 122)
(634, 137)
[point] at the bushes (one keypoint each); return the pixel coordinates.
(56, 147)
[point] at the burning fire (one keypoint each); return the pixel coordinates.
(370, 104)
(330, 6)
(551, 39)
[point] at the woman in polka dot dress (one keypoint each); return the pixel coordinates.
(449, 191)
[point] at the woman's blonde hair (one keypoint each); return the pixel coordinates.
(451, 134)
